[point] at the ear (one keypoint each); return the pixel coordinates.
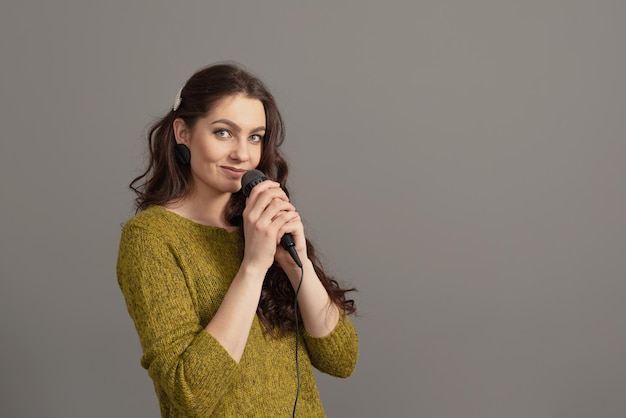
(181, 132)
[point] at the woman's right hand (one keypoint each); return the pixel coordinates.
(267, 210)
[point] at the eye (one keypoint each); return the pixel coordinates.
(222, 133)
(256, 138)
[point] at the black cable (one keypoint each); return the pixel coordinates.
(295, 310)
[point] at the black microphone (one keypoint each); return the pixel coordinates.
(250, 179)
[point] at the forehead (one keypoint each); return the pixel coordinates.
(244, 111)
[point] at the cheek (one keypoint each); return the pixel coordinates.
(211, 152)
(257, 155)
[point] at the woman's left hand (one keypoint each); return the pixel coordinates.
(295, 227)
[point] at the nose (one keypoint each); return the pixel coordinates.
(240, 151)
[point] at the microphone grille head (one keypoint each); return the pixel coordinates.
(250, 179)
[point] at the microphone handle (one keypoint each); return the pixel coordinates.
(287, 242)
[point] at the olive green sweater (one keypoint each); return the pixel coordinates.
(174, 274)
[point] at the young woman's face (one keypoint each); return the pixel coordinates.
(225, 144)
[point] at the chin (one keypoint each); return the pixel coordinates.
(234, 188)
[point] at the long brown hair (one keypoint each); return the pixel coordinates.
(164, 180)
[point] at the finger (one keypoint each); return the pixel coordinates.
(262, 188)
(290, 222)
(255, 208)
(274, 211)
(263, 197)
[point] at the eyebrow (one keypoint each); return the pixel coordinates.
(235, 126)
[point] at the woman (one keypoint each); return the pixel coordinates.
(209, 288)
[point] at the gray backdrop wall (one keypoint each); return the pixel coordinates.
(461, 163)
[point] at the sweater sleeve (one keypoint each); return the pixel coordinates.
(184, 360)
(335, 354)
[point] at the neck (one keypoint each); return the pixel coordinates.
(205, 210)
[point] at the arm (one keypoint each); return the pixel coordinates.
(337, 353)
(330, 336)
(189, 364)
(232, 321)
(319, 314)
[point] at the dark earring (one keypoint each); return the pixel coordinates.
(183, 155)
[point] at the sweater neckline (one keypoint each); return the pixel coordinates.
(190, 223)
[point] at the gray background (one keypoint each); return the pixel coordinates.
(461, 163)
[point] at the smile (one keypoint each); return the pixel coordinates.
(233, 172)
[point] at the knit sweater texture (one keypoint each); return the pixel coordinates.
(174, 274)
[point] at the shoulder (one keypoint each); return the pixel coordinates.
(146, 238)
(156, 221)
(152, 218)
(149, 226)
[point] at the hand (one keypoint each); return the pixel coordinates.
(295, 228)
(267, 216)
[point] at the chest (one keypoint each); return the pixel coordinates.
(209, 267)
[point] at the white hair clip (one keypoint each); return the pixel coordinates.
(178, 100)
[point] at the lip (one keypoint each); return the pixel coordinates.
(233, 172)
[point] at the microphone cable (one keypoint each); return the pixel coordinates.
(295, 310)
